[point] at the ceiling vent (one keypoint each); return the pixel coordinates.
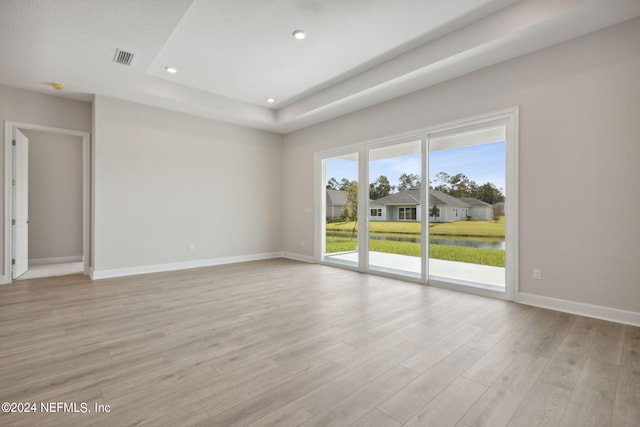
(122, 57)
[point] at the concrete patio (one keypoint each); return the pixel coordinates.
(410, 266)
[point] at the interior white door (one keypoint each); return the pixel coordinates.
(20, 223)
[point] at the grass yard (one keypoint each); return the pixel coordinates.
(481, 256)
(379, 227)
(493, 257)
(469, 228)
(460, 228)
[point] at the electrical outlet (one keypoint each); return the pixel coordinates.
(537, 274)
(302, 243)
(192, 247)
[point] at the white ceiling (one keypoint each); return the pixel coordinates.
(233, 54)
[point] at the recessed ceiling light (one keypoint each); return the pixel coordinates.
(171, 70)
(271, 100)
(299, 34)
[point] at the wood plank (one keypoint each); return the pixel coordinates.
(566, 364)
(498, 404)
(542, 406)
(182, 416)
(629, 381)
(289, 415)
(626, 411)
(270, 406)
(487, 370)
(608, 342)
(362, 401)
(403, 405)
(337, 389)
(449, 406)
(376, 418)
(239, 393)
(593, 397)
(248, 411)
(441, 348)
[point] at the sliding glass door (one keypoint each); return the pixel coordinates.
(394, 212)
(438, 206)
(467, 172)
(340, 194)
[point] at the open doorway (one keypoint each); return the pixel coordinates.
(46, 202)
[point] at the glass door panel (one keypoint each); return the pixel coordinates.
(340, 182)
(467, 173)
(394, 219)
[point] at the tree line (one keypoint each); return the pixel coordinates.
(458, 185)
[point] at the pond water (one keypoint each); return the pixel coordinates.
(472, 242)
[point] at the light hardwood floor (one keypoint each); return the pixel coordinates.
(285, 343)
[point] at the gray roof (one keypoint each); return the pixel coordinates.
(336, 197)
(413, 196)
(474, 202)
(406, 197)
(443, 199)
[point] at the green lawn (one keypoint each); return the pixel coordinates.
(379, 227)
(469, 228)
(460, 228)
(482, 256)
(493, 257)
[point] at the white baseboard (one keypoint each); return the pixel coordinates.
(158, 268)
(298, 257)
(56, 260)
(582, 309)
(5, 280)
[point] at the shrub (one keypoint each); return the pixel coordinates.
(336, 220)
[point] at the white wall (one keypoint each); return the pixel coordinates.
(481, 213)
(45, 110)
(579, 108)
(55, 195)
(164, 181)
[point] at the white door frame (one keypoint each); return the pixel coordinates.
(9, 127)
(20, 209)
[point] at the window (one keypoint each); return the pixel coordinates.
(376, 212)
(407, 214)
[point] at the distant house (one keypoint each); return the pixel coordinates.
(478, 209)
(336, 200)
(405, 206)
(400, 206)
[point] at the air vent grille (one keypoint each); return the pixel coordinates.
(122, 57)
